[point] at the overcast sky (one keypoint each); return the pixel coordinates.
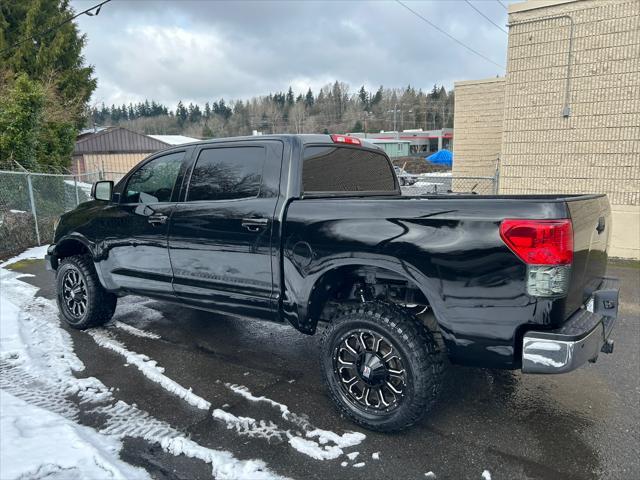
(202, 50)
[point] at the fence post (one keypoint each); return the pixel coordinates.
(75, 185)
(33, 208)
(496, 180)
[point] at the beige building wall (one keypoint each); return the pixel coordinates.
(582, 140)
(112, 162)
(478, 123)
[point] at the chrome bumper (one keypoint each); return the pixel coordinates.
(579, 340)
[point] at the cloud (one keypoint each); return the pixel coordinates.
(204, 50)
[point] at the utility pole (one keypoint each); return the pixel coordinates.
(365, 124)
(395, 125)
(395, 110)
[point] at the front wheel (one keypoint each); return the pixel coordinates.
(383, 368)
(82, 300)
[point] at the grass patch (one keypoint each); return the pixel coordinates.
(625, 263)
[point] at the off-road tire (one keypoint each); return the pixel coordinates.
(100, 304)
(421, 356)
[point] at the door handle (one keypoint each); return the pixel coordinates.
(157, 219)
(254, 224)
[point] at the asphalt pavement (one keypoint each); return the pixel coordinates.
(580, 425)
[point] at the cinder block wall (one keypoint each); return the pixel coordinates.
(596, 149)
(479, 108)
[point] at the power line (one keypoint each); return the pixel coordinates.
(487, 18)
(448, 35)
(56, 27)
(503, 5)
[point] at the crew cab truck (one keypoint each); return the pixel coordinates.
(313, 230)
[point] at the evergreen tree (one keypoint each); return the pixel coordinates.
(364, 98)
(290, 97)
(308, 99)
(377, 98)
(181, 113)
(34, 130)
(54, 55)
(194, 113)
(20, 118)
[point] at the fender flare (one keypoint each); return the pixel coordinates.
(74, 237)
(303, 295)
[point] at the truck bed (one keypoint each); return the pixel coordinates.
(450, 246)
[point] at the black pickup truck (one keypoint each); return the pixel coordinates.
(313, 230)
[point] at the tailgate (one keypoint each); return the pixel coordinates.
(591, 218)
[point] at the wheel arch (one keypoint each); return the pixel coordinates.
(75, 244)
(341, 276)
(72, 245)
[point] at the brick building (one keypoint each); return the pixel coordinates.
(570, 99)
(478, 124)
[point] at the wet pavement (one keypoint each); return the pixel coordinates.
(580, 425)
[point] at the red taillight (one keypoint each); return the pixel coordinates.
(346, 139)
(539, 242)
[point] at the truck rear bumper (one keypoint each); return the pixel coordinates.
(580, 339)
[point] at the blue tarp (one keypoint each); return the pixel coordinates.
(441, 157)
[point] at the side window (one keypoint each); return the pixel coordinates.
(227, 173)
(154, 181)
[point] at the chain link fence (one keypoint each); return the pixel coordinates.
(30, 204)
(445, 182)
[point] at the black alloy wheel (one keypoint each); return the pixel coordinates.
(369, 370)
(382, 367)
(82, 300)
(74, 293)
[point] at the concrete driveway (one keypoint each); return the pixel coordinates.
(581, 425)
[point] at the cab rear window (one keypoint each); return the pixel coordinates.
(331, 169)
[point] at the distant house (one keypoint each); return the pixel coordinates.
(117, 149)
(393, 148)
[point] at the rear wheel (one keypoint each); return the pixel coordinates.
(82, 300)
(382, 367)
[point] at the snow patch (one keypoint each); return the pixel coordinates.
(486, 475)
(61, 447)
(375, 455)
(149, 368)
(30, 254)
(249, 426)
(358, 465)
(349, 439)
(430, 475)
(328, 445)
(353, 455)
(133, 330)
(37, 365)
(313, 450)
(125, 420)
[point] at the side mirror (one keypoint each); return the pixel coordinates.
(102, 190)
